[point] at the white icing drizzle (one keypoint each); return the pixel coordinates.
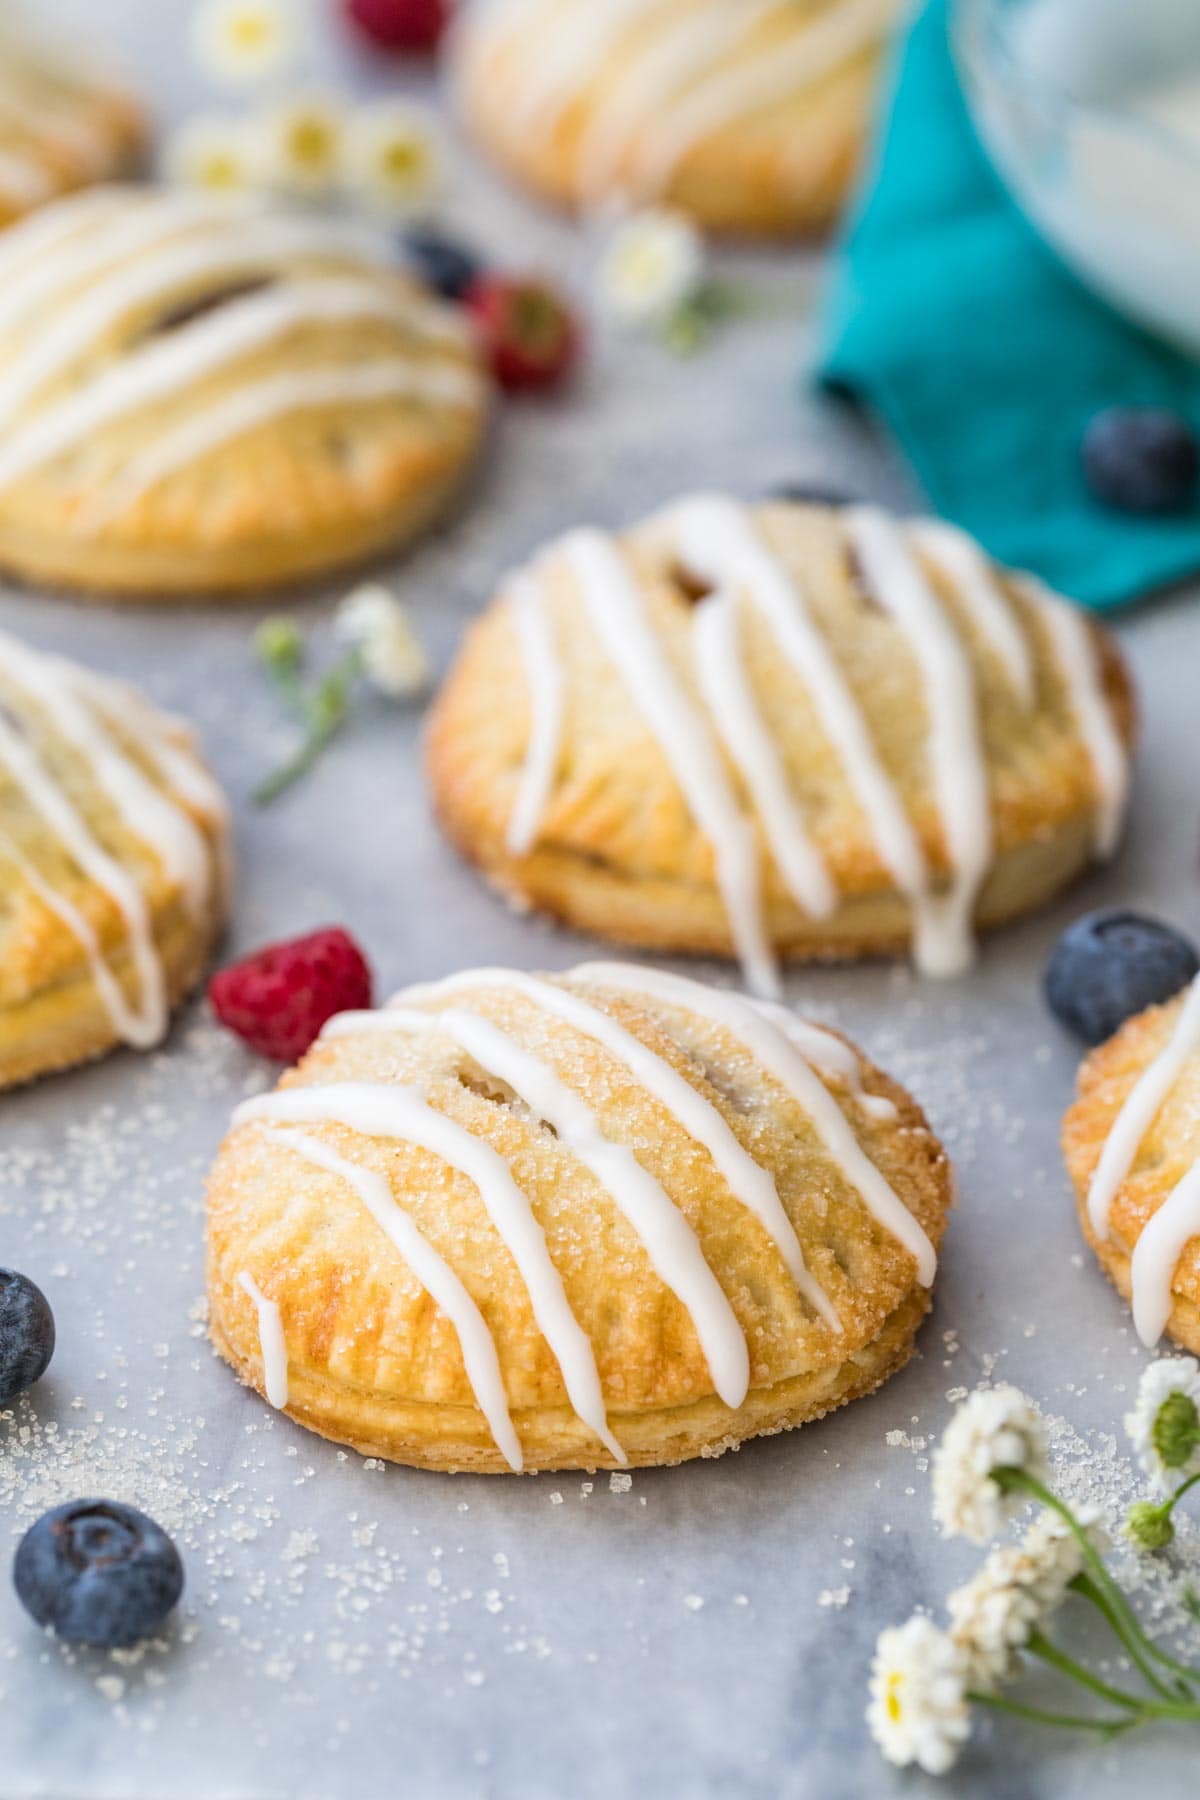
(78, 133)
(829, 1054)
(241, 249)
(750, 1184)
(734, 708)
(193, 352)
(689, 47)
(168, 743)
(401, 1113)
(1078, 658)
(567, 58)
(1157, 1253)
(1139, 1111)
(131, 1025)
(779, 1053)
(264, 401)
(680, 80)
(82, 237)
(145, 1024)
(614, 603)
(271, 1342)
(543, 676)
(716, 539)
(669, 1241)
(945, 942)
(87, 710)
(149, 814)
(435, 1276)
(962, 562)
(743, 89)
(44, 231)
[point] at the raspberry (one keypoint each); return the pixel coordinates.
(278, 999)
(529, 332)
(400, 24)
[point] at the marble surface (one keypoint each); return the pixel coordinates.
(351, 1630)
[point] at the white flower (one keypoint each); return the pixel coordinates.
(216, 154)
(996, 1428)
(394, 658)
(918, 1707)
(651, 265)
(242, 43)
(301, 142)
(393, 158)
(1164, 1426)
(994, 1615)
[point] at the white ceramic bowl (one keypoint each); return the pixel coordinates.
(1090, 111)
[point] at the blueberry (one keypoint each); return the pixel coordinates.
(1110, 965)
(444, 264)
(26, 1334)
(98, 1573)
(1141, 459)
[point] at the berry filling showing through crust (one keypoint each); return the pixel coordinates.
(200, 305)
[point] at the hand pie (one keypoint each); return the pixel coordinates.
(1132, 1144)
(59, 128)
(781, 730)
(748, 114)
(198, 395)
(113, 850)
(572, 1222)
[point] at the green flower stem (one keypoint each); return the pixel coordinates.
(1118, 1611)
(323, 711)
(1073, 1721)
(701, 312)
(1137, 1647)
(290, 688)
(1046, 1652)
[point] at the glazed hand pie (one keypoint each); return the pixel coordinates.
(781, 730)
(202, 395)
(574, 1221)
(113, 854)
(748, 114)
(1132, 1144)
(59, 129)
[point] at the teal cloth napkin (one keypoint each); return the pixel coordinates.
(949, 318)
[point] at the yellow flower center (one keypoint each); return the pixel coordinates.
(310, 142)
(250, 32)
(644, 263)
(403, 160)
(221, 170)
(892, 1700)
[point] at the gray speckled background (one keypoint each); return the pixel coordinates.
(357, 1631)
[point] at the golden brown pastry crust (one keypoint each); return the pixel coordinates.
(374, 1363)
(59, 129)
(1168, 1150)
(53, 1014)
(232, 400)
(778, 164)
(618, 851)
